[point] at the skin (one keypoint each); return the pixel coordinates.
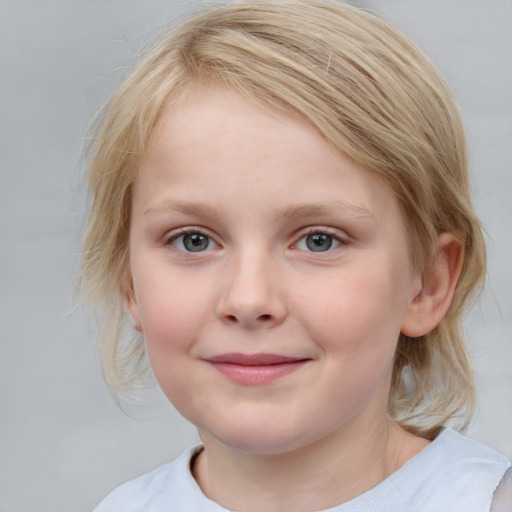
(257, 186)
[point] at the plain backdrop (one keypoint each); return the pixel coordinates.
(64, 443)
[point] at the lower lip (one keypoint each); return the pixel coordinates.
(265, 374)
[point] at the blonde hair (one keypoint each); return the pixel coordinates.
(372, 94)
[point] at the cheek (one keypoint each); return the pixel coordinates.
(356, 327)
(172, 315)
(355, 314)
(169, 331)
(173, 322)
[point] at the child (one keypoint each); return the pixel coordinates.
(281, 208)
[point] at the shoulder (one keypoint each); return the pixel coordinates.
(168, 488)
(453, 473)
(468, 454)
(460, 473)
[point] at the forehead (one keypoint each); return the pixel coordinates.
(207, 115)
(213, 142)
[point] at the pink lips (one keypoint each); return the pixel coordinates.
(255, 368)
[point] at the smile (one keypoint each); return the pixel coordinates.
(255, 369)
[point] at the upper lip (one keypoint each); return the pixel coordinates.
(253, 359)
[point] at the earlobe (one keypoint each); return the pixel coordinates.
(438, 285)
(133, 308)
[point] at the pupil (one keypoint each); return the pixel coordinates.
(195, 242)
(319, 242)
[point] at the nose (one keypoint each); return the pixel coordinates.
(251, 295)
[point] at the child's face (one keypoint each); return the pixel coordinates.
(253, 241)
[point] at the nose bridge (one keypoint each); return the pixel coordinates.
(251, 294)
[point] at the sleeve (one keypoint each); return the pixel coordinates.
(502, 499)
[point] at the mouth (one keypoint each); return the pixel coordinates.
(253, 369)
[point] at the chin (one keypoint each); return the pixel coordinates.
(271, 438)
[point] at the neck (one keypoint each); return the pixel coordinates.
(319, 476)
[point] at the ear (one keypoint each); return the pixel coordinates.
(131, 305)
(438, 284)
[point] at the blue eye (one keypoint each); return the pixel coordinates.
(193, 242)
(318, 242)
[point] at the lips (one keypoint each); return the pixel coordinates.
(255, 369)
(253, 359)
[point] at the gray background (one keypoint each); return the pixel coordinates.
(63, 441)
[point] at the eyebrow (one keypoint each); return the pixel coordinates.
(331, 208)
(183, 207)
(292, 212)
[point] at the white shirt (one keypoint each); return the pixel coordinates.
(452, 474)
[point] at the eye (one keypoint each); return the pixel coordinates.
(192, 242)
(318, 241)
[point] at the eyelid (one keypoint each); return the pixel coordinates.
(336, 234)
(174, 234)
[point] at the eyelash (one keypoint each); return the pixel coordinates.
(182, 232)
(334, 236)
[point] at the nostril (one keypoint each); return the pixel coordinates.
(264, 317)
(232, 318)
